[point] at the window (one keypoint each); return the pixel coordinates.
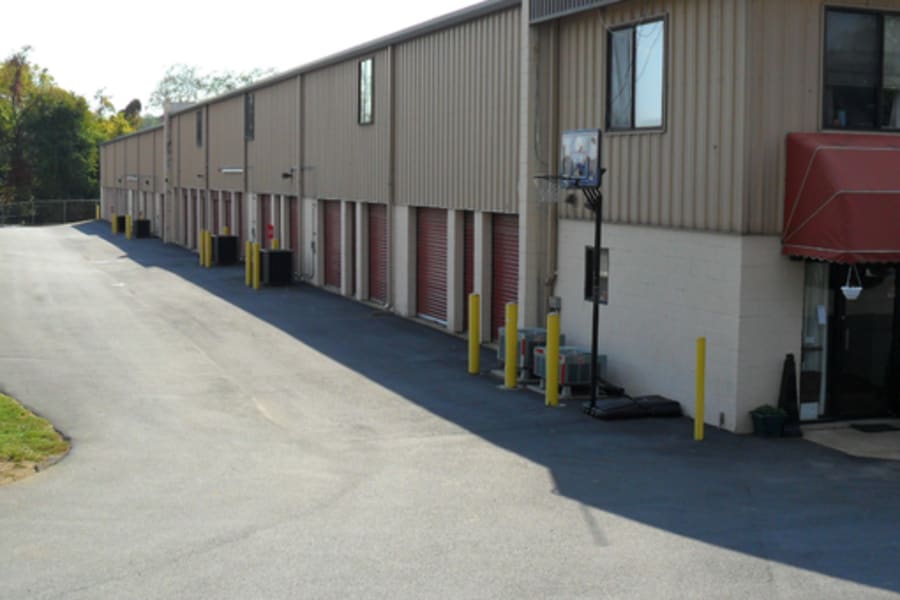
(636, 75)
(589, 274)
(249, 116)
(366, 91)
(199, 128)
(862, 70)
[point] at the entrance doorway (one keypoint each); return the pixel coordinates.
(850, 366)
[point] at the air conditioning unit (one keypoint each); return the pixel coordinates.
(529, 339)
(574, 366)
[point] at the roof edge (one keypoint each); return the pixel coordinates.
(131, 135)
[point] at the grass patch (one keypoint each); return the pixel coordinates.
(26, 437)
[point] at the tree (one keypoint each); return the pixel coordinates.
(184, 83)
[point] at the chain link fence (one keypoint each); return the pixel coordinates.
(46, 212)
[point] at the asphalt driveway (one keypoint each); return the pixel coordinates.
(289, 443)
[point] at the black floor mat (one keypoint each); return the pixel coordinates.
(874, 427)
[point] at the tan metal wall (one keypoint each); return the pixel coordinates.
(120, 163)
(191, 158)
(457, 116)
(159, 160)
(107, 165)
(132, 162)
(226, 143)
(276, 141)
(351, 161)
(689, 175)
(146, 160)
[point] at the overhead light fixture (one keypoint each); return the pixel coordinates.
(231, 170)
(289, 173)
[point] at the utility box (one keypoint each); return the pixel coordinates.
(574, 365)
(529, 338)
(276, 266)
(225, 250)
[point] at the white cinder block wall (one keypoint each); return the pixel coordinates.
(666, 289)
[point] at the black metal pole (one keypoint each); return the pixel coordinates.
(595, 287)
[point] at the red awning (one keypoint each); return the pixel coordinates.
(842, 197)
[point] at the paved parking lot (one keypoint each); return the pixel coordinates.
(293, 444)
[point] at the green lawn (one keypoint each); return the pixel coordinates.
(25, 437)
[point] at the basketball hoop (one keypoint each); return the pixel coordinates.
(554, 188)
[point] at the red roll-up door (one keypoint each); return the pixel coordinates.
(332, 243)
(505, 267)
(351, 217)
(227, 202)
(265, 209)
(378, 253)
(195, 228)
(294, 230)
(214, 198)
(468, 262)
(431, 263)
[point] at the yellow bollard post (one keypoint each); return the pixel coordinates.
(208, 249)
(256, 265)
(226, 230)
(96, 212)
(114, 223)
(474, 334)
(275, 245)
(127, 227)
(201, 246)
(511, 365)
(551, 378)
(248, 264)
(701, 389)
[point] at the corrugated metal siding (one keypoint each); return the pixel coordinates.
(107, 166)
(545, 9)
(132, 163)
(121, 164)
(191, 158)
(457, 115)
(351, 161)
(147, 153)
(159, 161)
(691, 174)
(226, 143)
(276, 142)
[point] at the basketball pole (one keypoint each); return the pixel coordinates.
(595, 202)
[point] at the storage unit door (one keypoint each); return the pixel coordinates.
(505, 267)
(468, 262)
(294, 230)
(194, 221)
(226, 209)
(265, 203)
(378, 253)
(332, 243)
(214, 196)
(431, 263)
(184, 222)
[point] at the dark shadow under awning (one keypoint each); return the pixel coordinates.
(842, 197)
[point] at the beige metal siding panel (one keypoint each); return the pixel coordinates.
(457, 115)
(351, 161)
(145, 161)
(159, 161)
(276, 142)
(226, 143)
(681, 176)
(107, 166)
(132, 162)
(192, 158)
(121, 166)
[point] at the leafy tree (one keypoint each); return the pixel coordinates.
(185, 83)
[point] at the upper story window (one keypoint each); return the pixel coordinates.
(249, 116)
(862, 70)
(636, 76)
(199, 128)
(366, 91)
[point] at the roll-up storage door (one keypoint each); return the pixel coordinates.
(505, 267)
(332, 243)
(468, 262)
(378, 252)
(431, 264)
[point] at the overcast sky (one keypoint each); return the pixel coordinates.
(125, 47)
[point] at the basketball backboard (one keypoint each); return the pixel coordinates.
(579, 157)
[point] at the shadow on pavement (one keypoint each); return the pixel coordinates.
(783, 500)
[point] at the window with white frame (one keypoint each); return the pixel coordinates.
(862, 70)
(636, 76)
(366, 91)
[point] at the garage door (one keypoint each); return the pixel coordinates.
(332, 243)
(194, 222)
(468, 262)
(214, 198)
(431, 263)
(184, 222)
(294, 230)
(226, 210)
(378, 253)
(265, 219)
(505, 267)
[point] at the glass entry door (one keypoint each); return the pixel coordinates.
(863, 352)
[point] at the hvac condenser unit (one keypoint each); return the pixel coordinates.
(574, 365)
(529, 339)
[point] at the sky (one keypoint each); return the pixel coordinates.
(126, 48)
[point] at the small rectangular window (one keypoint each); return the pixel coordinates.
(199, 128)
(366, 91)
(636, 76)
(603, 283)
(249, 117)
(862, 70)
